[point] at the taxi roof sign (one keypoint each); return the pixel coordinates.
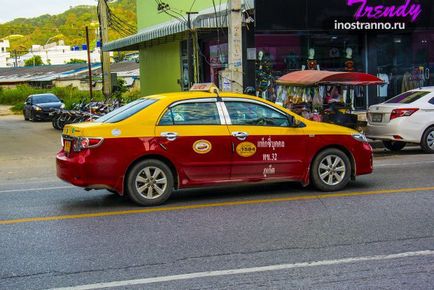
(204, 87)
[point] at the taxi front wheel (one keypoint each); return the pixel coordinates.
(331, 170)
(150, 182)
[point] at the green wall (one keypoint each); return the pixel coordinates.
(147, 14)
(160, 68)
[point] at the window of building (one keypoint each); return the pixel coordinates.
(192, 114)
(252, 114)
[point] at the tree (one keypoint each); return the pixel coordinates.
(34, 61)
(75, 60)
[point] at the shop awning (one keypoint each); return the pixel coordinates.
(322, 77)
(206, 19)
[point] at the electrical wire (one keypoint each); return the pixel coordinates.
(117, 24)
(191, 7)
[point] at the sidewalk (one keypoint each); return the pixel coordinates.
(4, 110)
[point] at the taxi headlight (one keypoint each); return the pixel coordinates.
(360, 137)
(62, 106)
(37, 108)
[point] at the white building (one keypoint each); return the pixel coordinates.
(56, 54)
(4, 54)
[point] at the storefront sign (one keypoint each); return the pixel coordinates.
(407, 10)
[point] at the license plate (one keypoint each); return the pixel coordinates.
(67, 146)
(377, 117)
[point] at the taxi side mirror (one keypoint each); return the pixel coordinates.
(295, 123)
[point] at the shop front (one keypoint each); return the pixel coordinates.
(320, 35)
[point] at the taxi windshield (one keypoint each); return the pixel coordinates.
(126, 111)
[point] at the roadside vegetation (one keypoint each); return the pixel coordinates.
(70, 95)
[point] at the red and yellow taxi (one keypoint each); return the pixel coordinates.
(160, 143)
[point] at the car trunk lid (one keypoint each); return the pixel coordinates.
(380, 114)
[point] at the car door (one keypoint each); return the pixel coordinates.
(194, 135)
(266, 144)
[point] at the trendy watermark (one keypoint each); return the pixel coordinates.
(368, 16)
(357, 25)
(407, 11)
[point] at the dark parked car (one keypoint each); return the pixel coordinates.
(38, 107)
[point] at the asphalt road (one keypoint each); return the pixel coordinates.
(378, 233)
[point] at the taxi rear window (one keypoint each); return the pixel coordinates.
(126, 111)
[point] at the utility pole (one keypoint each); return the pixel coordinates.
(16, 58)
(190, 50)
(235, 46)
(105, 56)
(89, 64)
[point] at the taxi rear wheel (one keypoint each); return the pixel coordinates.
(331, 170)
(150, 182)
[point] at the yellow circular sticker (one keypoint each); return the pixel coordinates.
(246, 149)
(202, 146)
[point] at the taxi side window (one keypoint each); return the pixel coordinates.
(199, 113)
(251, 114)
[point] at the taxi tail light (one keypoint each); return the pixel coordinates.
(87, 143)
(397, 113)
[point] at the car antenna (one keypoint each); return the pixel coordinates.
(216, 91)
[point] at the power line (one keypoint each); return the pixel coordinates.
(191, 7)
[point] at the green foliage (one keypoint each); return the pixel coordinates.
(71, 24)
(75, 60)
(69, 95)
(34, 61)
(131, 95)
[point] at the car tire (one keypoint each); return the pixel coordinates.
(32, 116)
(394, 146)
(427, 142)
(25, 116)
(54, 123)
(331, 170)
(149, 182)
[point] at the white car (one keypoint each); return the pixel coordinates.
(406, 118)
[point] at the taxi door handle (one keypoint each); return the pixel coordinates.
(240, 135)
(171, 136)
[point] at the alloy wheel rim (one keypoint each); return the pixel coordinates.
(151, 182)
(332, 170)
(430, 140)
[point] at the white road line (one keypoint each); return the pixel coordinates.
(50, 180)
(403, 163)
(35, 189)
(245, 271)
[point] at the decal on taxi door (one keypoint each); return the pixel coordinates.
(246, 149)
(269, 143)
(202, 146)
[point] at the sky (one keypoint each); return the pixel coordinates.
(11, 9)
